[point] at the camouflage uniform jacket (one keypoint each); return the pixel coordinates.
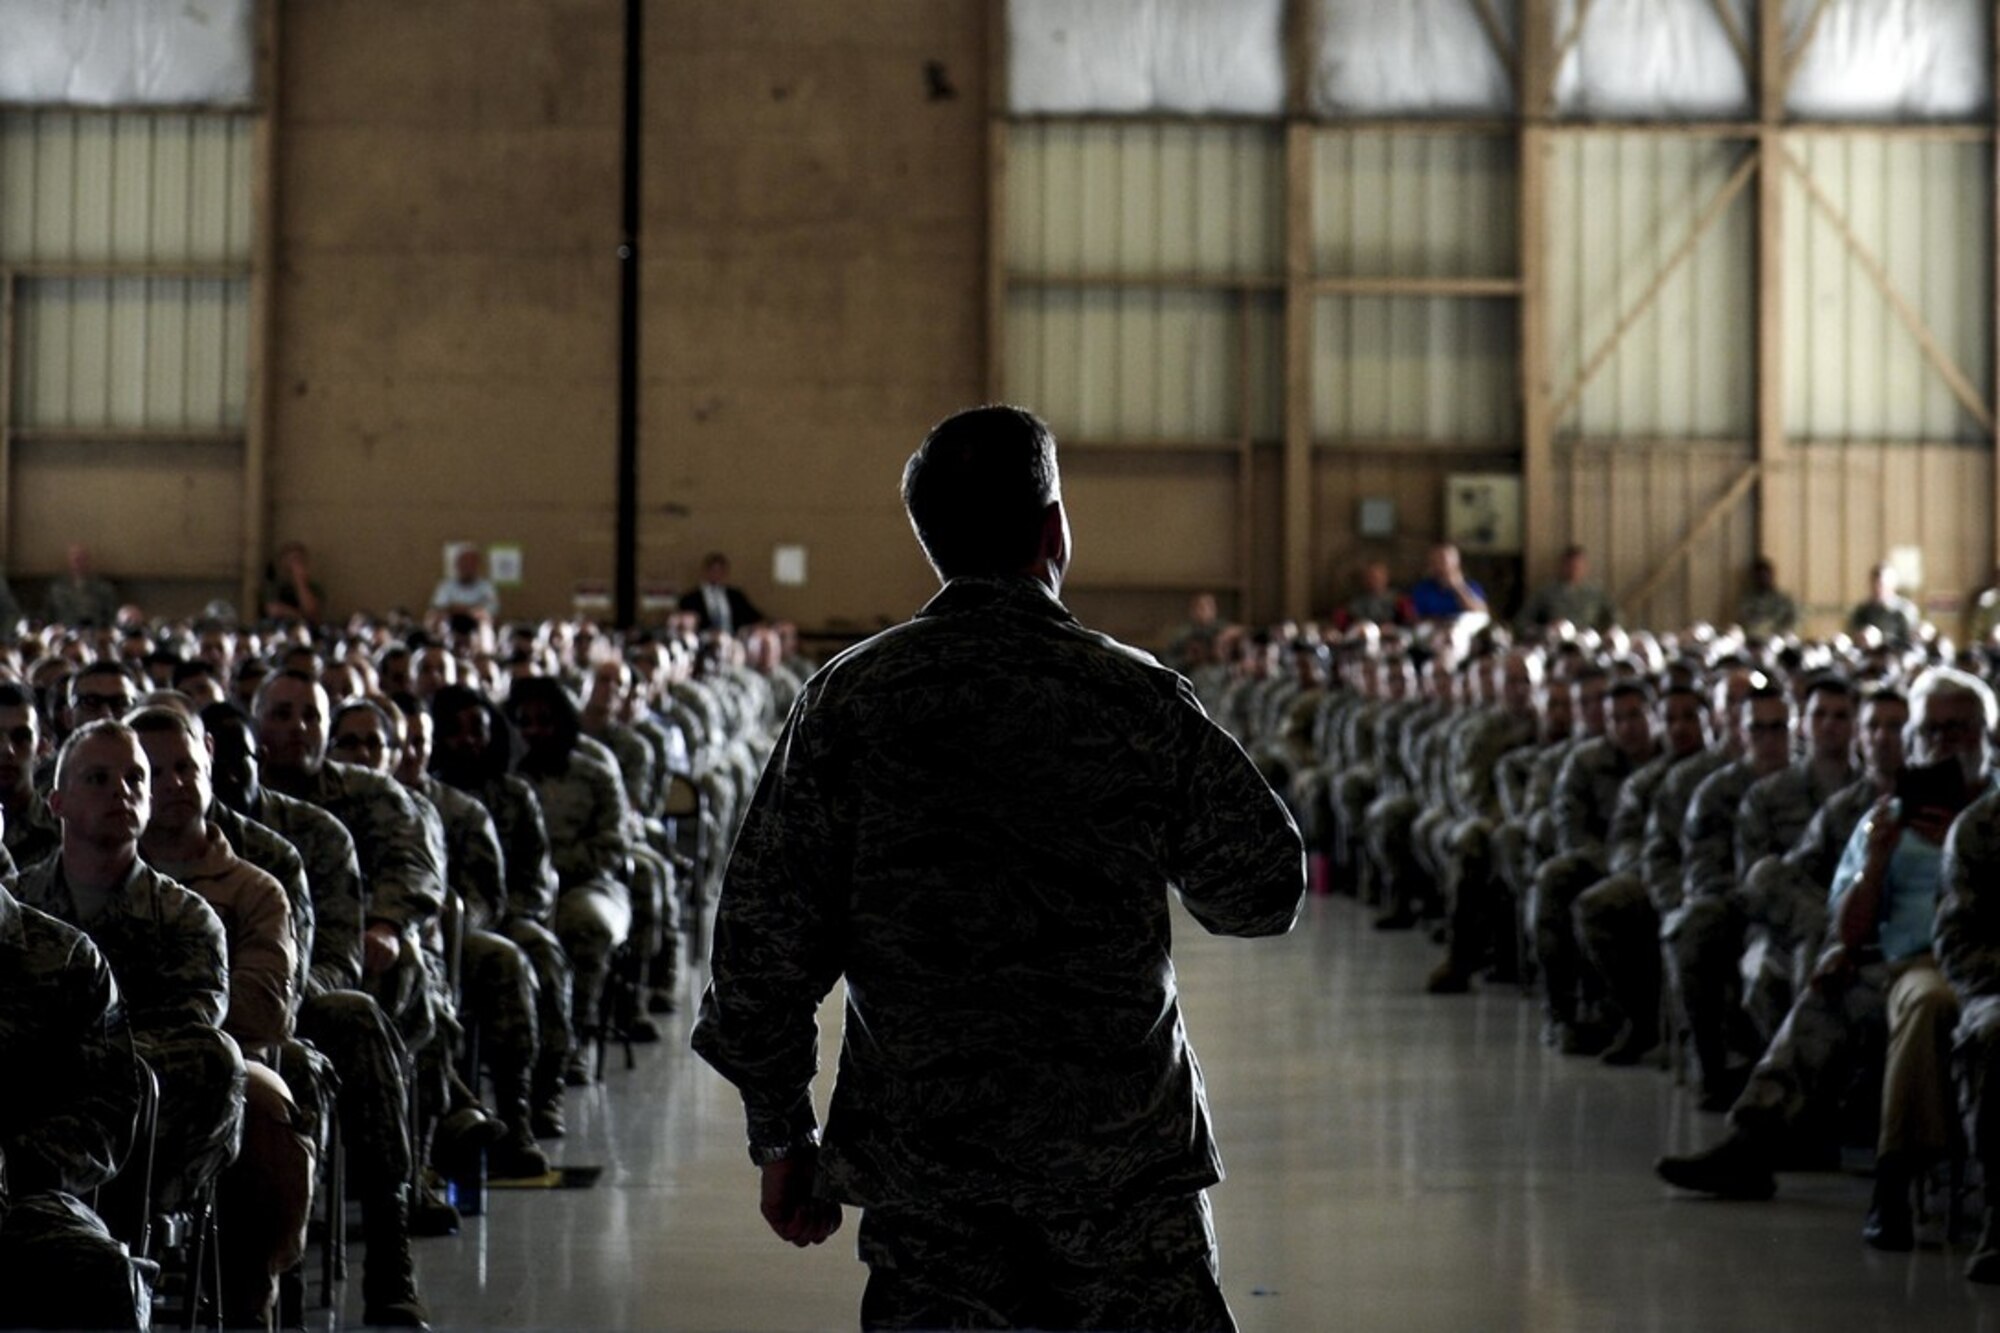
(1660, 860)
(1708, 841)
(474, 865)
(32, 834)
(1626, 841)
(72, 1095)
(165, 945)
(977, 818)
(1768, 613)
(1477, 753)
(524, 846)
(1777, 808)
(399, 869)
(1586, 796)
(583, 807)
(280, 860)
(1816, 853)
(1967, 931)
(257, 921)
(333, 870)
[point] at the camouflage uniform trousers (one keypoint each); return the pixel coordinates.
(498, 998)
(555, 983)
(201, 1077)
(1707, 941)
(1792, 911)
(60, 1268)
(1905, 1010)
(1353, 792)
(1479, 908)
(1552, 897)
(1309, 798)
(656, 918)
(369, 1087)
(1387, 828)
(1149, 1264)
(592, 919)
(1619, 934)
(1975, 1067)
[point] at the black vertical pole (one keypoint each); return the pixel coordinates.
(626, 583)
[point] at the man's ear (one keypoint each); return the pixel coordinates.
(1054, 548)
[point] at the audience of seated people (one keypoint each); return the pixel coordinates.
(308, 875)
(1763, 862)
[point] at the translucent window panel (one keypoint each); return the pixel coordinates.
(1188, 56)
(1655, 59)
(1145, 200)
(167, 354)
(1131, 364)
(1411, 58)
(128, 52)
(1620, 207)
(1892, 60)
(126, 189)
(1415, 368)
(1414, 205)
(1922, 209)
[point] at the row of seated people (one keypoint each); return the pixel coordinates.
(288, 896)
(1789, 852)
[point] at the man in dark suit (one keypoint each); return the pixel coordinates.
(716, 604)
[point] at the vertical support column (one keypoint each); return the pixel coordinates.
(1538, 479)
(1993, 257)
(1246, 460)
(996, 200)
(1774, 520)
(625, 582)
(1298, 467)
(261, 352)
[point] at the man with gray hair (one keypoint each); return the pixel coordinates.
(977, 819)
(1878, 985)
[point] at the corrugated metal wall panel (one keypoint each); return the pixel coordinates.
(1620, 205)
(171, 513)
(1415, 368)
(131, 353)
(1414, 205)
(1630, 504)
(1145, 200)
(1923, 210)
(1141, 364)
(1842, 506)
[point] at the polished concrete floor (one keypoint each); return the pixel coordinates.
(1395, 1162)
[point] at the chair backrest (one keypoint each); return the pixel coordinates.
(125, 1202)
(682, 799)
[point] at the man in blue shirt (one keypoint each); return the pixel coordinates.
(1444, 593)
(1877, 985)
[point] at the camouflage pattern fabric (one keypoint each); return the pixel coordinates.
(280, 860)
(975, 818)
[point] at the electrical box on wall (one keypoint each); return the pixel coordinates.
(1482, 512)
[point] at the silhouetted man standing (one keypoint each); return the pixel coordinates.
(975, 818)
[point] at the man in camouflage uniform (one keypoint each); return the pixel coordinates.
(1568, 599)
(472, 754)
(1410, 737)
(1523, 781)
(350, 1026)
(1764, 610)
(1584, 805)
(973, 818)
(1879, 987)
(1967, 938)
(1704, 934)
(583, 806)
(1772, 818)
(32, 832)
(1480, 926)
(165, 947)
(66, 1126)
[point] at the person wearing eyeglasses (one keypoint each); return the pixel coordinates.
(1878, 986)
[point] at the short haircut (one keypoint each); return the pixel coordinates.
(104, 726)
(187, 670)
(976, 490)
(103, 666)
(1827, 682)
(1681, 690)
(1884, 694)
(1767, 691)
(270, 681)
(364, 705)
(154, 719)
(13, 694)
(1630, 689)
